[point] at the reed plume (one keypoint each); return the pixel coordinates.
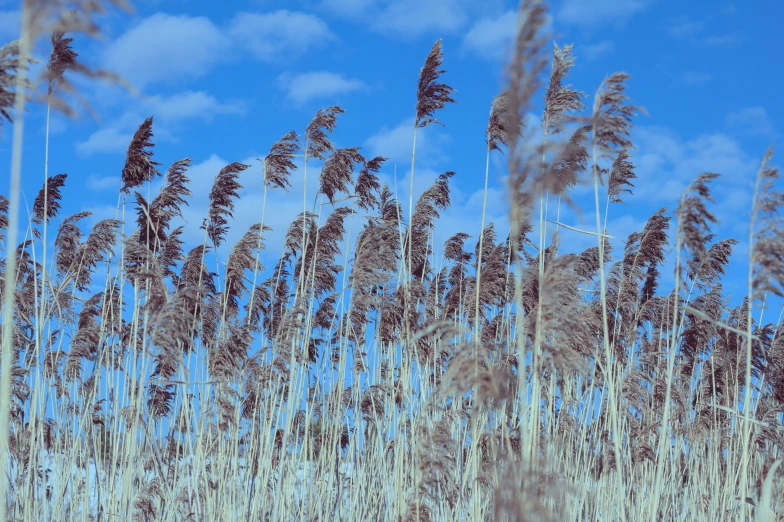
(694, 218)
(707, 273)
(427, 210)
(97, 247)
(612, 115)
(224, 192)
(67, 241)
(3, 214)
(279, 162)
(62, 58)
(317, 145)
(494, 376)
(10, 63)
(139, 166)
(431, 95)
(767, 256)
(318, 130)
(241, 258)
(47, 202)
(611, 130)
(154, 219)
(496, 135)
(336, 173)
(570, 161)
(560, 99)
(194, 272)
(367, 183)
(766, 275)
(621, 173)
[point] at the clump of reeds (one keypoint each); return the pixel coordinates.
(499, 377)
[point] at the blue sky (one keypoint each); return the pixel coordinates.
(225, 80)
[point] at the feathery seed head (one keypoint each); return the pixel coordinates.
(431, 95)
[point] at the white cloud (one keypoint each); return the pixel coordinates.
(168, 113)
(412, 18)
(694, 33)
(620, 225)
(190, 105)
(280, 35)
(100, 211)
(722, 40)
(104, 141)
(203, 174)
(416, 17)
(396, 143)
(164, 48)
(304, 87)
(282, 206)
(349, 8)
(58, 124)
(686, 29)
(666, 164)
(100, 183)
(597, 12)
(753, 120)
(491, 38)
(596, 50)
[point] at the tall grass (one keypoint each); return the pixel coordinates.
(512, 379)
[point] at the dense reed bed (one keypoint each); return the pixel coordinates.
(504, 378)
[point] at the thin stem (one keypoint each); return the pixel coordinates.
(9, 293)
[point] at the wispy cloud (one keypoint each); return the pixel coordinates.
(304, 87)
(751, 120)
(412, 18)
(722, 40)
(166, 48)
(491, 38)
(416, 17)
(104, 141)
(598, 12)
(351, 8)
(686, 29)
(286, 204)
(694, 32)
(101, 183)
(596, 50)
(666, 163)
(280, 35)
(168, 111)
(396, 144)
(190, 105)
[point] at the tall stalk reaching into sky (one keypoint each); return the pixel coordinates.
(431, 96)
